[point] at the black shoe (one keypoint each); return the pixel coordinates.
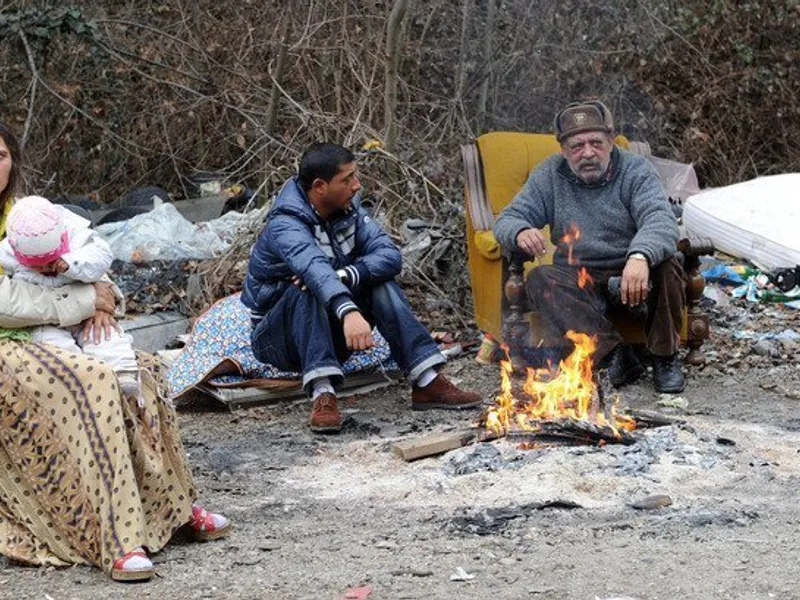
(623, 366)
(667, 374)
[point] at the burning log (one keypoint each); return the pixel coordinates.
(572, 404)
(572, 431)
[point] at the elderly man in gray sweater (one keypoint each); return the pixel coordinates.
(609, 218)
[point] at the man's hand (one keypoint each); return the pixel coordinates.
(357, 332)
(297, 282)
(635, 277)
(105, 299)
(94, 326)
(532, 242)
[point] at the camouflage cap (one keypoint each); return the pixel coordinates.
(578, 117)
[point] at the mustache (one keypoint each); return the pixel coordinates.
(589, 162)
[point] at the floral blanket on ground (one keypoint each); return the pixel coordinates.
(222, 335)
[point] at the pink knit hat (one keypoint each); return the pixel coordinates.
(36, 231)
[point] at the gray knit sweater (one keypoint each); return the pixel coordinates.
(626, 212)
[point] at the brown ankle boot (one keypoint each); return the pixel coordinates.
(325, 415)
(441, 393)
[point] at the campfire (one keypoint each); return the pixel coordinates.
(566, 404)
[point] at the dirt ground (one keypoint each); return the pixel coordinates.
(317, 515)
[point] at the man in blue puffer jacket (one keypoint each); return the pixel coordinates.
(321, 274)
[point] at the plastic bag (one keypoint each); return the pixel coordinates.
(679, 179)
(164, 234)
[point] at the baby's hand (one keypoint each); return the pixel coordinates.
(60, 266)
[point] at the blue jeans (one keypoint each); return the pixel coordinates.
(299, 334)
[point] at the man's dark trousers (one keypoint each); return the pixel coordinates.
(553, 291)
(299, 334)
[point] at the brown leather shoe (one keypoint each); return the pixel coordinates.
(441, 393)
(325, 415)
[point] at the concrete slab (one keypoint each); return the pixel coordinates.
(153, 332)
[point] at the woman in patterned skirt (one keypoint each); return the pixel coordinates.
(86, 476)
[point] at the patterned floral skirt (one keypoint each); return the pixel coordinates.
(85, 475)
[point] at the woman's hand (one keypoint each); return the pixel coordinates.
(105, 299)
(95, 326)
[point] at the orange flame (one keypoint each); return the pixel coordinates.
(568, 392)
(584, 278)
(572, 235)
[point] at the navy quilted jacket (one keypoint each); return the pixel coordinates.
(296, 241)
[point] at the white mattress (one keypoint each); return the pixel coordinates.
(758, 220)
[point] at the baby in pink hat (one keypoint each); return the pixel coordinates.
(48, 245)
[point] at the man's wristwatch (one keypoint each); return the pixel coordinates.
(638, 256)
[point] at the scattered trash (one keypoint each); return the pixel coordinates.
(442, 337)
(357, 593)
(778, 286)
(203, 183)
(786, 334)
(679, 179)
(164, 234)
(451, 350)
(786, 279)
(487, 351)
(424, 244)
(652, 502)
(461, 575)
(727, 274)
(758, 288)
(718, 296)
(673, 402)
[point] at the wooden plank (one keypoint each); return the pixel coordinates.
(432, 445)
(246, 397)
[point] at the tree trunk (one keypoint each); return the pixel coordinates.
(460, 79)
(280, 68)
(487, 65)
(393, 30)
